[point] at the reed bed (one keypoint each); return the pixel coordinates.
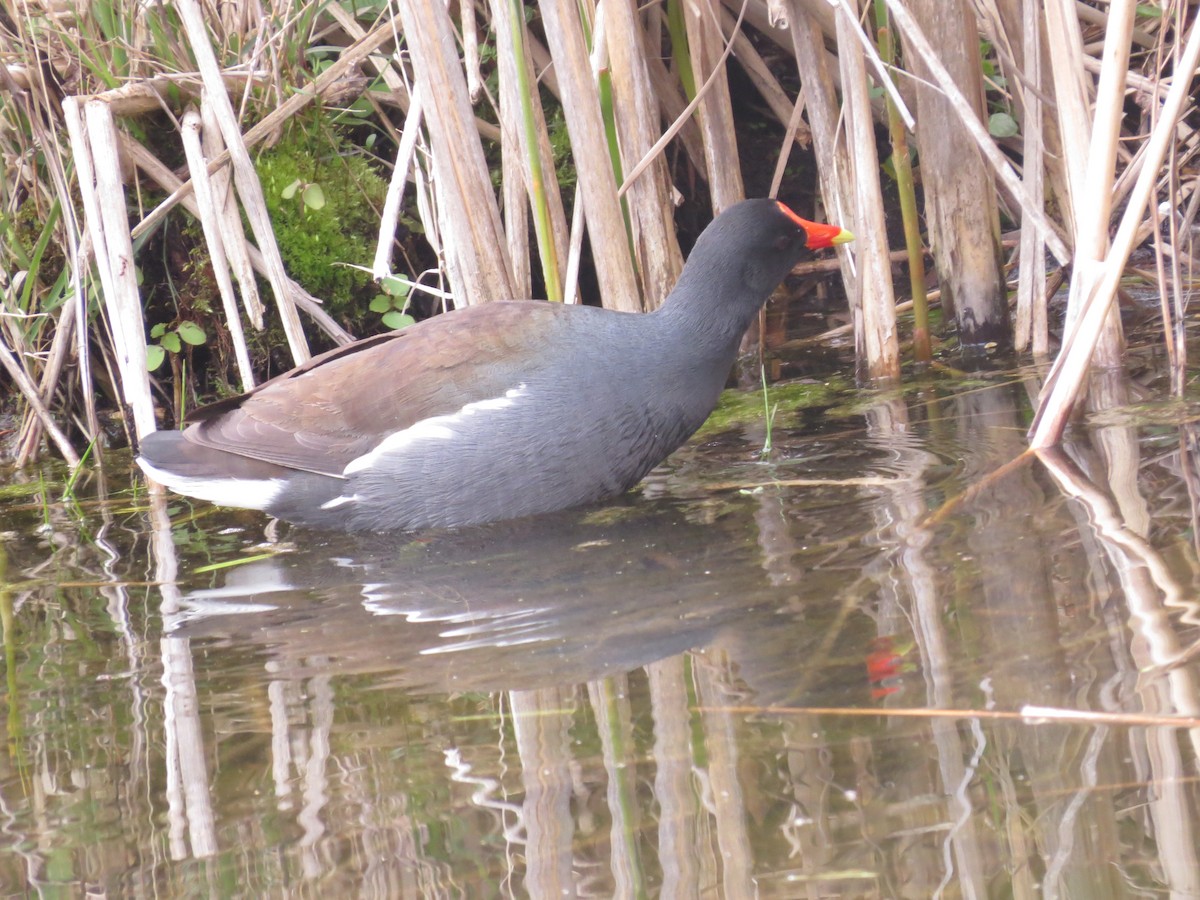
(518, 141)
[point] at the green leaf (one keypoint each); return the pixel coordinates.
(395, 287)
(170, 341)
(154, 356)
(397, 320)
(290, 191)
(158, 330)
(192, 333)
(360, 107)
(1146, 11)
(889, 167)
(381, 303)
(313, 197)
(1003, 125)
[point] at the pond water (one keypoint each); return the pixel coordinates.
(876, 664)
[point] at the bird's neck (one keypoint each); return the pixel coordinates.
(712, 306)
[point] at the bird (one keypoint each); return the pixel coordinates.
(493, 411)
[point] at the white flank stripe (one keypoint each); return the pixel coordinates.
(434, 428)
(240, 492)
(339, 501)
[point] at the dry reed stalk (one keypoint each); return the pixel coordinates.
(555, 208)
(837, 188)
(248, 187)
(876, 299)
(906, 193)
(470, 42)
(961, 208)
(1029, 715)
(514, 191)
(1008, 25)
(1095, 16)
(232, 231)
(708, 51)
(1171, 299)
(211, 222)
(1071, 100)
(1032, 325)
(882, 73)
(1067, 375)
(516, 208)
(682, 119)
(1187, 139)
(1134, 81)
(760, 75)
(400, 99)
(409, 135)
(589, 145)
(94, 145)
(575, 250)
(83, 353)
(8, 362)
(73, 321)
(477, 258)
(1092, 200)
(667, 90)
(29, 435)
(1000, 23)
(38, 414)
(1173, 303)
(964, 113)
(790, 135)
(638, 122)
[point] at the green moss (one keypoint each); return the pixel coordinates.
(739, 407)
(325, 202)
(560, 146)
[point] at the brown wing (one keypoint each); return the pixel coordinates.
(325, 413)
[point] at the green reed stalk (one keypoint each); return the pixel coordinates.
(902, 163)
(608, 114)
(537, 184)
(677, 29)
(769, 411)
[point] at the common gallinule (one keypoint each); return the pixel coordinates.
(492, 411)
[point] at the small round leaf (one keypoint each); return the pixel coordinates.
(192, 333)
(397, 320)
(395, 287)
(170, 341)
(1003, 125)
(154, 356)
(313, 197)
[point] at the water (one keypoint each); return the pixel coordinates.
(844, 672)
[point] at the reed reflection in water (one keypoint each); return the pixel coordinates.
(812, 678)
